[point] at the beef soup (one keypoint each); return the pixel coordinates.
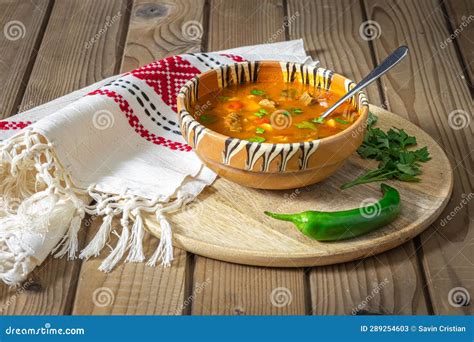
(273, 112)
(257, 123)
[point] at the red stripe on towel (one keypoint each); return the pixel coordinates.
(235, 58)
(134, 122)
(12, 125)
(167, 76)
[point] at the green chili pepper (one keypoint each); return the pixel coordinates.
(339, 225)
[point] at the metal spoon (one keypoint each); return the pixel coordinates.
(379, 70)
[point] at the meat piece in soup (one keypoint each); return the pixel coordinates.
(273, 112)
(233, 122)
(307, 99)
(266, 103)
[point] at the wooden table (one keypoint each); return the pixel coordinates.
(54, 55)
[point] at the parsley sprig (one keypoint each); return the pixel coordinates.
(391, 150)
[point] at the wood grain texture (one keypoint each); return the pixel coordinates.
(22, 24)
(388, 283)
(81, 45)
(47, 291)
(234, 23)
(331, 30)
(461, 16)
(229, 289)
(430, 91)
(238, 289)
(63, 65)
(136, 288)
(162, 28)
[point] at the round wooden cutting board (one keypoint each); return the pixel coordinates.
(226, 221)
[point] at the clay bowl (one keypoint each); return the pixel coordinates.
(266, 165)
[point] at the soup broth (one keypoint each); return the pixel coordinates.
(273, 112)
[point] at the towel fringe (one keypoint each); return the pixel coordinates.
(118, 252)
(69, 243)
(136, 239)
(32, 185)
(100, 239)
(164, 251)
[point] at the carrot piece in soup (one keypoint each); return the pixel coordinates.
(235, 105)
(262, 121)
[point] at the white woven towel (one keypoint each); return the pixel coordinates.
(112, 149)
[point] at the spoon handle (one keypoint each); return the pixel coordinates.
(379, 70)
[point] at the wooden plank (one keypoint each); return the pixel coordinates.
(331, 32)
(222, 288)
(431, 92)
(389, 283)
(162, 28)
(22, 26)
(64, 64)
(130, 289)
(461, 14)
(78, 48)
(219, 287)
(154, 33)
(237, 23)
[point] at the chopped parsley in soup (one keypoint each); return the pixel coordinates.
(273, 112)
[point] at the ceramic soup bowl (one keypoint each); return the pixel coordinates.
(267, 165)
